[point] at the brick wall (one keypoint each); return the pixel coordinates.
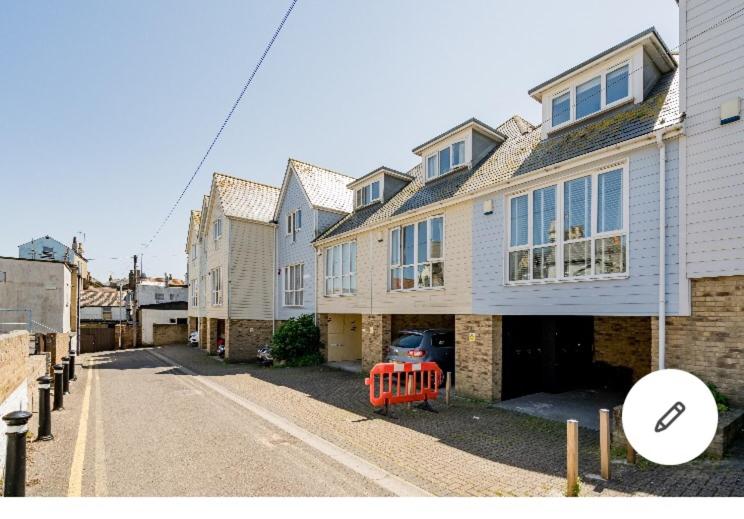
(710, 342)
(13, 354)
(210, 341)
(420, 322)
(203, 333)
(127, 335)
(624, 341)
(193, 324)
(244, 336)
(323, 327)
(376, 338)
(478, 362)
(58, 345)
(163, 334)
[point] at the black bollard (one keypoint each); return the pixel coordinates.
(66, 373)
(45, 409)
(15, 459)
(59, 382)
(73, 356)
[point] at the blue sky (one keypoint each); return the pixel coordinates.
(107, 107)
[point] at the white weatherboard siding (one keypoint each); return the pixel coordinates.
(297, 250)
(251, 270)
(635, 295)
(712, 65)
(217, 253)
(95, 313)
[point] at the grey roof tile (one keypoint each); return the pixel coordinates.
(524, 151)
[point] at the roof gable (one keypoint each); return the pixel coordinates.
(244, 199)
(325, 189)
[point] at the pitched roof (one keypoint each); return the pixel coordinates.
(326, 189)
(103, 297)
(382, 169)
(194, 221)
(246, 199)
(521, 154)
(494, 132)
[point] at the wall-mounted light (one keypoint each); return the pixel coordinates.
(488, 206)
(379, 236)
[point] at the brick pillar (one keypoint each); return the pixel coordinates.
(478, 340)
(211, 339)
(376, 338)
(624, 341)
(323, 327)
(243, 337)
(203, 333)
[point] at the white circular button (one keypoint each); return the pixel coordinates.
(670, 417)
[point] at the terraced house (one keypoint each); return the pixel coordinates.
(547, 248)
(311, 200)
(234, 249)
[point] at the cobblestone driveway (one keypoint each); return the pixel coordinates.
(467, 449)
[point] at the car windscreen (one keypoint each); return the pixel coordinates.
(407, 340)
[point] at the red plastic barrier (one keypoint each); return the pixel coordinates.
(388, 383)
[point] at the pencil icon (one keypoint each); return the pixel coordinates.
(669, 417)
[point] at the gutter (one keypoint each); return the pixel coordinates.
(625, 146)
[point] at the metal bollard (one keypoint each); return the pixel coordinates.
(45, 409)
(15, 459)
(66, 373)
(59, 382)
(73, 356)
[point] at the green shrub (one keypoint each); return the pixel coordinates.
(722, 401)
(297, 342)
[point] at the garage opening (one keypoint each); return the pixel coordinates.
(345, 338)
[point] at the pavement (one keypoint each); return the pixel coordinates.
(581, 405)
(173, 421)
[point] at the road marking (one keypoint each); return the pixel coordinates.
(101, 485)
(75, 487)
(378, 475)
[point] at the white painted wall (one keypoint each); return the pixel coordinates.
(150, 317)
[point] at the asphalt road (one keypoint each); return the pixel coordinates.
(135, 425)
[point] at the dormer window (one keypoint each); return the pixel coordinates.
(445, 160)
(599, 93)
(368, 194)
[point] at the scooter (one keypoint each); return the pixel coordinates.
(194, 339)
(264, 355)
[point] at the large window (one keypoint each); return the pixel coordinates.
(217, 229)
(216, 281)
(602, 91)
(575, 229)
(340, 269)
(417, 255)
(293, 285)
(368, 194)
(445, 160)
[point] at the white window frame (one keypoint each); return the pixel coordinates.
(351, 275)
(291, 228)
(215, 276)
(193, 253)
(603, 95)
(359, 197)
(594, 173)
(195, 293)
(217, 229)
(429, 259)
(293, 293)
(435, 156)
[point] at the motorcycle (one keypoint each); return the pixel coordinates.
(194, 339)
(264, 355)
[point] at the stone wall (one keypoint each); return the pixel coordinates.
(624, 341)
(421, 322)
(244, 336)
(127, 335)
(163, 334)
(710, 342)
(376, 338)
(13, 355)
(203, 333)
(478, 349)
(210, 341)
(323, 327)
(58, 345)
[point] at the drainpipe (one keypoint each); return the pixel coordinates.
(662, 248)
(273, 283)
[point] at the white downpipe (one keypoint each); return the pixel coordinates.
(274, 281)
(662, 248)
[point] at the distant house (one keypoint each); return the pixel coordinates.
(47, 248)
(163, 323)
(105, 305)
(37, 295)
(151, 291)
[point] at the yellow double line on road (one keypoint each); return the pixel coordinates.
(75, 487)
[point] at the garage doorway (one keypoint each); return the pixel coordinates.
(344, 337)
(549, 354)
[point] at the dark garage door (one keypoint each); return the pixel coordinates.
(546, 354)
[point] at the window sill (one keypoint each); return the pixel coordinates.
(603, 277)
(459, 167)
(568, 124)
(339, 295)
(293, 306)
(418, 289)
